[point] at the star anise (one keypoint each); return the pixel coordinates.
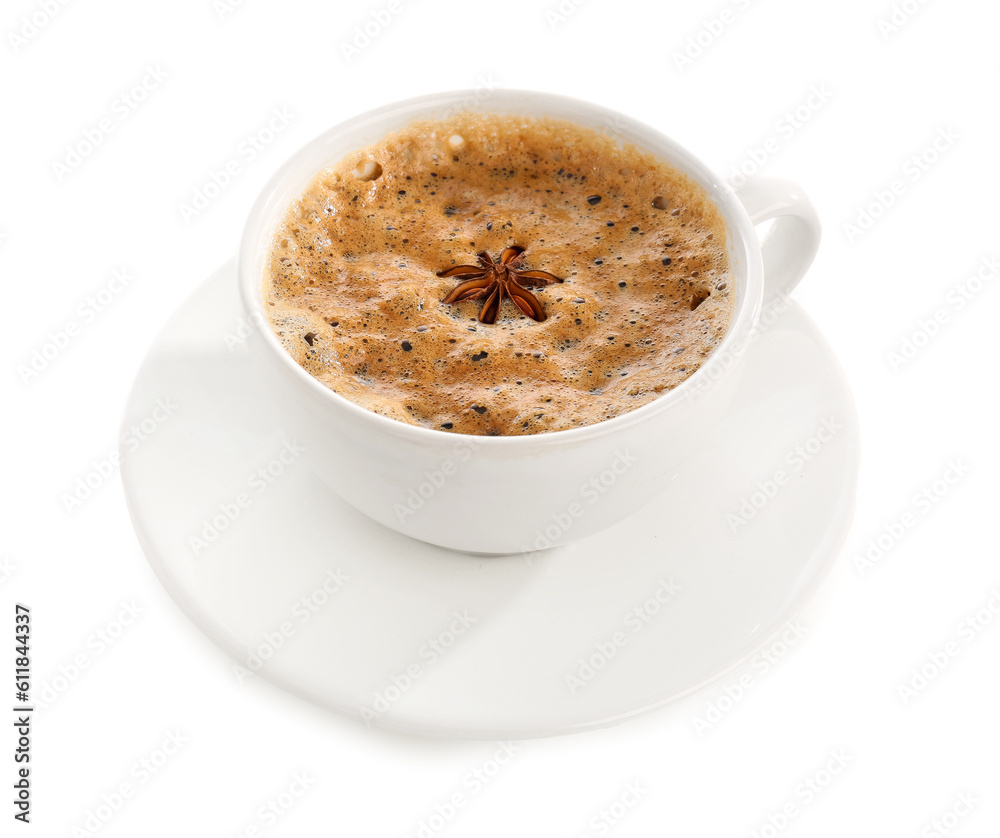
(496, 280)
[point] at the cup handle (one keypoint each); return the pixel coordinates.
(788, 249)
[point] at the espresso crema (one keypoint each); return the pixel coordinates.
(353, 287)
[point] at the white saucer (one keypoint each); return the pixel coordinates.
(484, 647)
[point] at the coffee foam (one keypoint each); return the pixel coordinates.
(353, 294)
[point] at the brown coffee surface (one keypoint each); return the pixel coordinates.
(354, 295)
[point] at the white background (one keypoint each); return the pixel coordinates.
(887, 96)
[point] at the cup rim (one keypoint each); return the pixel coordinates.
(741, 238)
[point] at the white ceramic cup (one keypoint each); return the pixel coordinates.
(518, 493)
